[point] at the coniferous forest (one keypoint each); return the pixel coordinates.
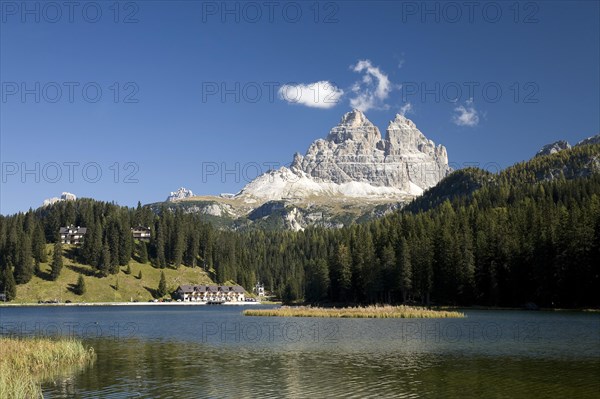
(530, 233)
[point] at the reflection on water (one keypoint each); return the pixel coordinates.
(179, 352)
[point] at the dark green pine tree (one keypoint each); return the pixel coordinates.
(389, 271)
(125, 242)
(105, 263)
(179, 244)
(289, 294)
(405, 270)
(24, 265)
(80, 286)
(57, 261)
(317, 281)
(191, 250)
(114, 264)
(162, 286)
(143, 252)
(341, 279)
(9, 285)
(38, 245)
(91, 250)
(161, 260)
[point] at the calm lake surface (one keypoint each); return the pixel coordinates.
(215, 352)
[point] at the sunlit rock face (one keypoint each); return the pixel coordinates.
(355, 160)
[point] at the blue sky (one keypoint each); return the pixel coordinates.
(492, 83)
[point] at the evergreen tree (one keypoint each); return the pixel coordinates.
(289, 294)
(341, 279)
(389, 271)
(24, 264)
(161, 261)
(57, 261)
(317, 281)
(405, 270)
(79, 288)
(143, 252)
(128, 269)
(125, 241)
(105, 262)
(91, 250)
(162, 286)
(179, 244)
(139, 276)
(38, 244)
(9, 285)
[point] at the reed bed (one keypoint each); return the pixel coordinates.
(27, 362)
(373, 312)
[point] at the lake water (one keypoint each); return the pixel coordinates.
(215, 352)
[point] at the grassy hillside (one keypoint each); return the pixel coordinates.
(104, 289)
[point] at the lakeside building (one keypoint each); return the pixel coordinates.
(211, 293)
(259, 289)
(72, 234)
(141, 233)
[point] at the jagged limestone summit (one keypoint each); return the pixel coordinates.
(356, 161)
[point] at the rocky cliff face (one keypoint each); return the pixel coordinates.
(355, 160)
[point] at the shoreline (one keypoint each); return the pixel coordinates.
(89, 304)
(17, 305)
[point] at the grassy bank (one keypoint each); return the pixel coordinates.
(26, 363)
(384, 312)
(121, 287)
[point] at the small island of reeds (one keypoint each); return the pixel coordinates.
(27, 362)
(373, 312)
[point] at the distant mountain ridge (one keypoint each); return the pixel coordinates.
(580, 161)
(561, 145)
(355, 174)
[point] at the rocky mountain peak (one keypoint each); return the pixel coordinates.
(553, 148)
(354, 126)
(65, 196)
(354, 118)
(355, 161)
(401, 120)
(180, 194)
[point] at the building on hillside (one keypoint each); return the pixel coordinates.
(141, 233)
(211, 293)
(259, 289)
(72, 234)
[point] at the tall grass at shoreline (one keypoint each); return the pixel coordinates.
(27, 362)
(373, 312)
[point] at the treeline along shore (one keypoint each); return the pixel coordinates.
(477, 238)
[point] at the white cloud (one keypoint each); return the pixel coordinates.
(466, 115)
(322, 94)
(373, 91)
(406, 109)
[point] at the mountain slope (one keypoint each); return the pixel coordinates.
(570, 163)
